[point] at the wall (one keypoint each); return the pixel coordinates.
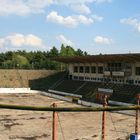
(17, 78)
(64, 93)
(14, 90)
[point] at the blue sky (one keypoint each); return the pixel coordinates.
(95, 26)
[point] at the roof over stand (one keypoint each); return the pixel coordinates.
(135, 57)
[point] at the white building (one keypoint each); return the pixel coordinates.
(114, 68)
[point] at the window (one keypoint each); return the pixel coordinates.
(137, 71)
(100, 69)
(114, 66)
(81, 69)
(87, 78)
(75, 78)
(93, 69)
(81, 78)
(87, 69)
(75, 69)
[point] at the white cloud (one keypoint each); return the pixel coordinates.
(102, 40)
(22, 7)
(26, 7)
(32, 40)
(16, 40)
(19, 40)
(102, 1)
(84, 20)
(81, 9)
(69, 2)
(69, 21)
(80, 6)
(1, 42)
(64, 40)
(97, 18)
(131, 21)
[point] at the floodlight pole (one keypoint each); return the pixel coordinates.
(54, 123)
(104, 117)
(137, 117)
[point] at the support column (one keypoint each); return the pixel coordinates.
(54, 124)
(104, 117)
(137, 117)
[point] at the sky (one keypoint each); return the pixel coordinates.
(95, 26)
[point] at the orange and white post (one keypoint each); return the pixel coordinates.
(137, 117)
(54, 123)
(104, 117)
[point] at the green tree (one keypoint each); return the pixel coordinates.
(19, 61)
(8, 64)
(63, 50)
(79, 52)
(53, 52)
(67, 51)
(85, 53)
(70, 51)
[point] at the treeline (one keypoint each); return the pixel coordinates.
(36, 59)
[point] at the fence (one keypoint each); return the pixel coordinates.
(55, 109)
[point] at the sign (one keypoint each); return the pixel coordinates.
(107, 73)
(105, 90)
(117, 73)
(102, 92)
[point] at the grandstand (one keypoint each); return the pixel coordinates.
(88, 90)
(119, 72)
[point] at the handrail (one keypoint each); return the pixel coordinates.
(68, 109)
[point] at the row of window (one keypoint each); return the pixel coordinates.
(109, 80)
(114, 66)
(93, 69)
(88, 69)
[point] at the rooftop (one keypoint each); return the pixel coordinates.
(100, 58)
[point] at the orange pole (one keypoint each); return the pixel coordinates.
(137, 116)
(104, 118)
(54, 124)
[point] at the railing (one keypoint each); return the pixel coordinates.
(69, 109)
(55, 109)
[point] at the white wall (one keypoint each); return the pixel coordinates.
(70, 68)
(14, 90)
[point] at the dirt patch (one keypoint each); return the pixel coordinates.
(31, 125)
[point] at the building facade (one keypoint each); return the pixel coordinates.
(115, 72)
(117, 68)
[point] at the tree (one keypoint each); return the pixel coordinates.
(8, 55)
(85, 53)
(19, 61)
(53, 52)
(8, 64)
(67, 51)
(37, 59)
(79, 52)
(63, 50)
(70, 51)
